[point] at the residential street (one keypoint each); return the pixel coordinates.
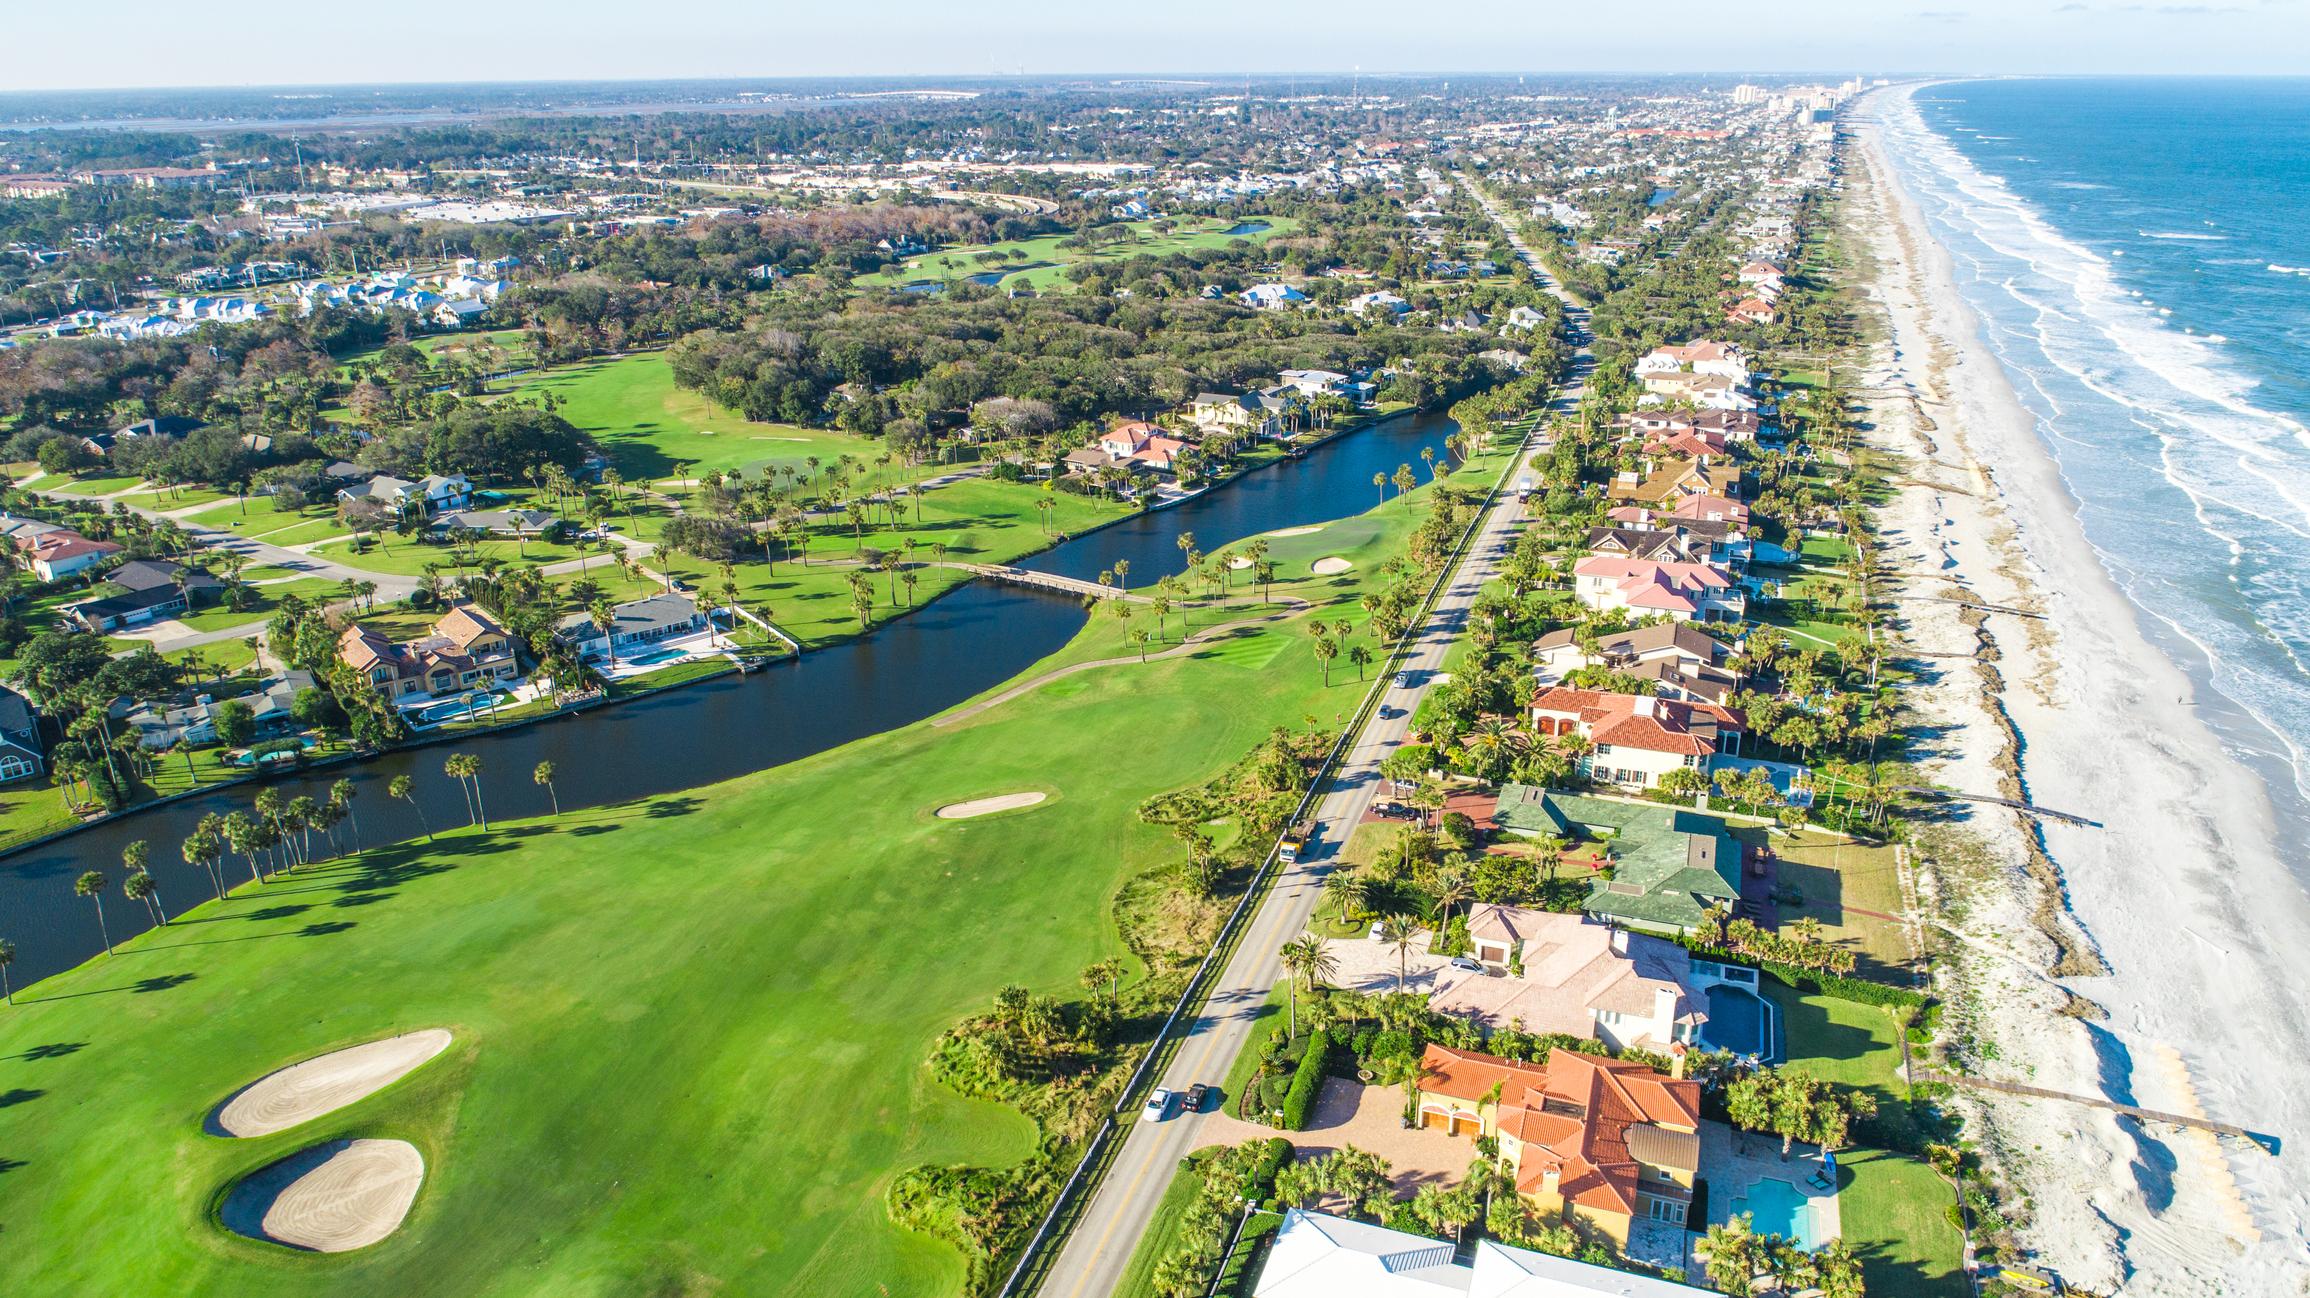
(1124, 1202)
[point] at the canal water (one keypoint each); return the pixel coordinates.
(912, 668)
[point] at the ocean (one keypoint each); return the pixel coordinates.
(2138, 251)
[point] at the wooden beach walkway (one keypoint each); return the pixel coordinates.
(2267, 1144)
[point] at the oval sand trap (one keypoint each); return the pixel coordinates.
(1298, 531)
(302, 1092)
(332, 1198)
(1329, 565)
(988, 806)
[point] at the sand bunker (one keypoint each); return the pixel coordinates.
(1325, 567)
(1298, 531)
(1239, 562)
(988, 806)
(332, 1198)
(302, 1092)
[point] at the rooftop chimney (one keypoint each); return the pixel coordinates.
(1645, 706)
(1620, 941)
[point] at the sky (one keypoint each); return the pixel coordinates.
(50, 46)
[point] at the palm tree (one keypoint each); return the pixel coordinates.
(91, 886)
(403, 788)
(7, 958)
(1451, 891)
(543, 774)
(240, 832)
(1305, 959)
(605, 620)
(341, 796)
(1401, 933)
(1347, 892)
(140, 887)
(466, 769)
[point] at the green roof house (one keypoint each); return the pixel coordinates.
(1668, 863)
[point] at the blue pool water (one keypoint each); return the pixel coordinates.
(456, 707)
(656, 656)
(1777, 1208)
(1737, 1022)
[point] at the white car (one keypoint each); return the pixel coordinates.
(1158, 1106)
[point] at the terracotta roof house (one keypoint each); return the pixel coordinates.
(1550, 972)
(59, 554)
(1606, 1140)
(1682, 592)
(1637, 738)
(466, 648)
(1711, 508)
(1668, 863)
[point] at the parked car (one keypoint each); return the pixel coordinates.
(1158, 1105)
(1464, 962)
(1197, 1096)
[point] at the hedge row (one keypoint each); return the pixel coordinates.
(1306, 1083)
(1841, 986)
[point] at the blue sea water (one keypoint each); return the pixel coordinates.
(2139, 253)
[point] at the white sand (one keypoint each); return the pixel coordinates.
(1239, 561)
(1329, 565)
(1298, 531)
(2182, 893)
(988, 806)
(302, 1092)
(354, 1199)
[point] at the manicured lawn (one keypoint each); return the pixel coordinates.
(1895, 1215)
(267, 598)
(408, 557)
(646, 425)
(690, 1029)
(30, 808)
(96, 485)
(1838, 880)
(257, 519)
(223, 655)
(1041, 264)
(175, 498)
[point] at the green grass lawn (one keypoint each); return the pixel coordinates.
(1838, 879)
(646, 425)
(172, 499)
(258, 520)
(1163, 1230)
(217, 617)
(1895, 1215)
(96, 484)
(1041, 264)
(691, 1029)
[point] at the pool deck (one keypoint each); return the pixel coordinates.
(1732, 1161)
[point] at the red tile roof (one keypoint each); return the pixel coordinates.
(1639, 721)
(1573, 1116)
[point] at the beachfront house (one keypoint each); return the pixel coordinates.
(1638, 738)
(1318, 1255)
(1551, 972)
(467, 648)
(1681, 661)
(1669, 864)
(636, 627)
(1681, 592)
(1607, 1141)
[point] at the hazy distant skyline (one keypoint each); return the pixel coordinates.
(159, 43)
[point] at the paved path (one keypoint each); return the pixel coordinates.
(1091, 1262)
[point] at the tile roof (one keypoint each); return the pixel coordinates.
(1573, 1116)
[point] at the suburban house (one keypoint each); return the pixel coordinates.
(150, 590)
(1315, 383)
(1705, 391)
(1568, 973)
(1231, 411)
(1750, 310)
(1272, 297)
(159, 725)
(434, 493)
(22, 755)
(635, 626)
(1702, 356)
(499, 522)
(1733, 427)
(1604, 1140)
(61, 553)
(1682, 592)
(1318, 1255)
(466, 648)
(1386, 303)
(1681, 660)
(1524, 317)
(1668, 864)
(1669, 481)
(1637, 738)
(167, 428)
(1141, 444)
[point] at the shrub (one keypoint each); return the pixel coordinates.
(1306, 1083)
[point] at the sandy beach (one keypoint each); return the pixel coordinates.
(2145, 961)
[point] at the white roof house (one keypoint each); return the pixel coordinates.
(1269, 297)
(1317, 1255)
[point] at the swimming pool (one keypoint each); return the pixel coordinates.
(457, 707)
(1778, 1208)
(656, 656)
(1738, 1021)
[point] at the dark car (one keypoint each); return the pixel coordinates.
(1197, 1095)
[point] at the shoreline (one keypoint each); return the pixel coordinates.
(2061, 954)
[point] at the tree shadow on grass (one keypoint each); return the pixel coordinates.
(142, 986)
(8, 1165)
(10, 1099)
(53, 1050)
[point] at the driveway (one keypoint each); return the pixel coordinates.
(1368, 966)
(1371, 1118)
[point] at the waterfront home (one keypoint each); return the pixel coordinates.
(1607, 1141)
(147, 591)
(1703, 391)
(163, 725)
(1314, 383)
(1681, 662)
(1638, 738)
(1141, 445)
(636, 626)
(1672, 480)
(1552, 972)
(1669, 864)
(1710, 508)
(466, 648)
(1682, 592)
(1701, 356)
(22, 754)
(55, 555)
(1257, 413)
(1755, 311)
(1318, 1255)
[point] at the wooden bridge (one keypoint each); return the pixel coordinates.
(2267, 1144)
(1046, 581)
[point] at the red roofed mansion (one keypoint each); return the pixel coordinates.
(1638, 738)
